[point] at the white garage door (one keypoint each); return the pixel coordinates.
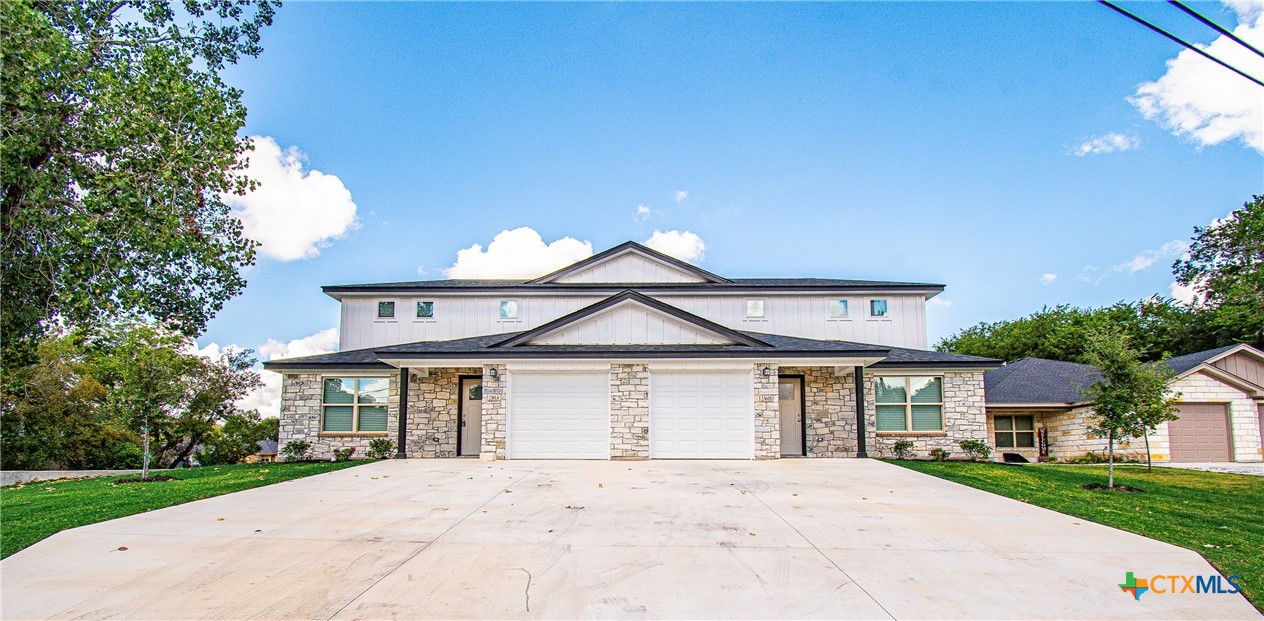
(701, 415)
(559, 416)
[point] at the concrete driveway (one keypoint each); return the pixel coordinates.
(794, 538)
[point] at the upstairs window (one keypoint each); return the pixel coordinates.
(755, 309)
(838, 309)
(508, 309)
(877, 308)
(910, 403)
(425, 310)
(385, 309)
(352, 404)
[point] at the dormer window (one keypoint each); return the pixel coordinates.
(838, 309)
(754, 309)
(508, 309)
(877, 308)
(425, 310)
(385, 310)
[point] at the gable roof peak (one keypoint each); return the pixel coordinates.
(631, 247)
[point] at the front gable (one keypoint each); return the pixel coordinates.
(630, 262)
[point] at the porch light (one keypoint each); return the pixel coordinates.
(767, 371)
(492, 372)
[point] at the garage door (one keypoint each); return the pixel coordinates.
(701, 415)
(559, 416)
(1201, 433)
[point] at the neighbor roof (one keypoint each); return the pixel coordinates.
(1181, 364)
(1038, 380)
(267, 447)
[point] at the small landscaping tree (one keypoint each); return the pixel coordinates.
(977, 450)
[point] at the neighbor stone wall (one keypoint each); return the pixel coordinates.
(301, 413)
(629, 411)
(1243, 414)
(767, 412)
(495, 412)
(433, 402)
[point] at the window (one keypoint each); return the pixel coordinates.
(755, 309)
(425, 309)
(354, 404)
(910, 403)
(1015, 431)
(877, 308)
(385, 309)
(838, 309)
(508, 309)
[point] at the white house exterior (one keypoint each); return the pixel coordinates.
(631, 354)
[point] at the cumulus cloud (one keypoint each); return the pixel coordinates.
(1110, 143)
(322, 342)
(681, 195)
(1146, 258)
(683, 245)
(1187, 295)
(1201, 101)
(267, 398)
(643, 212)
(1047, 279)
(938, 302)
(520, 253)
(295, 211)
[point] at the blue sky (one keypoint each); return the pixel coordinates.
(928, 142)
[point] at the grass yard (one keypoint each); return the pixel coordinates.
(31, 512)
(1220, 516)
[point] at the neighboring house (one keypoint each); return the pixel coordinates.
(632, 354)
(1036, 408)
(266, 454)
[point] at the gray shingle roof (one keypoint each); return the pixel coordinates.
(267, 447)
(734, 284)
(1181, 364)
(1037, 380)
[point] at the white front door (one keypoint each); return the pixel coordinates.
(790, 396)
(559, 415)
(471, 416)
(701, 415)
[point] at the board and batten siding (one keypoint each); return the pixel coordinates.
(463, 316)
(629, 268)
(1242, 366)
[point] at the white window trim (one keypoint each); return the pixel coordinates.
(355, 403)
(908, 405)
(829, 309)
(763, 309)
(517, 306)
(434, 311)
(869, 309)
(377, 313)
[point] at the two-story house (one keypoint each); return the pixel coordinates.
(632, 354)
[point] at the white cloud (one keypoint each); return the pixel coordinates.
(1109, 143)
(520, 253)
(938, 302)
(681, 195)
(1146, 258)
(267, 398)
(643, 212)
(1204, 102)
(1183, 294)
(1047, 279)
(683, 245)
(322, 342)
(295, 211)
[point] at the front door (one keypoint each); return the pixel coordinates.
(471, 416)
(790, 393)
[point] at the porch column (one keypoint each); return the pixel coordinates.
(860, 412)
(402, 453)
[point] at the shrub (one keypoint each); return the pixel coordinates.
(902, 449)
(296, 450)
(343, 454)
(978, 450)
(381, 448)
(939, 454)
(1087, 458)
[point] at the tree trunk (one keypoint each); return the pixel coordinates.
(1149, 466)
(1110, 461)
(144, 468)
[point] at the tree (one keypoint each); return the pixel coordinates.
(1131, 398)
(1226, 267)
(236, 439)
(118, 141)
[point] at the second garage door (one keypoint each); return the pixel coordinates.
(701, 415)
(1200, 434)
(559, 416)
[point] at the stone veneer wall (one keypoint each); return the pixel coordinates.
(964, 418)
(767, 412)
(1244, 420)
(629, 411)
(433, 402)
(300, 418)
(495, 412)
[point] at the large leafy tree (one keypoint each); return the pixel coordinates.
(118, 139)
(1226, 266)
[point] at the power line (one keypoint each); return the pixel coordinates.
(1173, 37)
(1214, 26)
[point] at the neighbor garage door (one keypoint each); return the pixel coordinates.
(1200, 434)
(559, 416)
(701, 415)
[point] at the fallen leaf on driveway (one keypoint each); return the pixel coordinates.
(600, 485)
(751, 534)
(219, 519)
(122, 548)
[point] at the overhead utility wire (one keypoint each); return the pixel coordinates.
(1214, 26)
(1173, 37)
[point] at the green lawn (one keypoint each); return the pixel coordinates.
(1220, 516)
(31, 512)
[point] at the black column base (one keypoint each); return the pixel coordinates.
(862, 454)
